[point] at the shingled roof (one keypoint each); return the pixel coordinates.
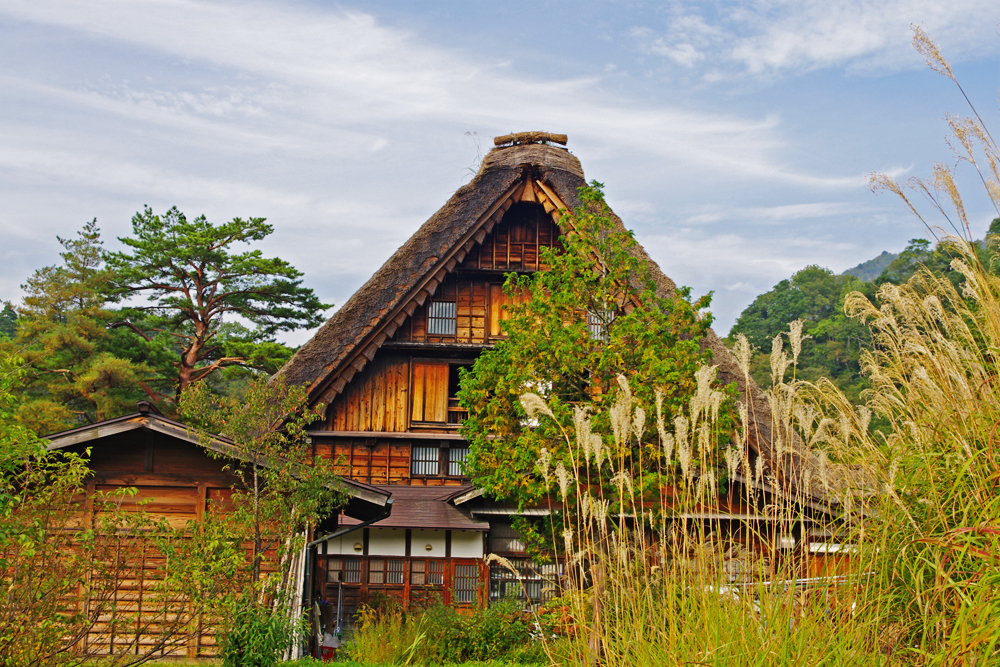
(538, 172)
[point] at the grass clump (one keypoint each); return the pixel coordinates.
(440, 635)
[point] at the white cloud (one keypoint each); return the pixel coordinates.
(775, 214)
(347, 134)
(345, 70)
(774, 36)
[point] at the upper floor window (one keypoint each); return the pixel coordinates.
(456, 461)
(499, 300)
(425, 460)
(434, 393)
(599, 323)
(438, 461)
(441, 318)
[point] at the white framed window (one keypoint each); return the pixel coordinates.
(436, 461)
(456, 461)
(425, 461)
(599, 323)
(441, 318)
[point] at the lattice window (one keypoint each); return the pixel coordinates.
(346, 570)
(599, 323)
(426, 572)
(352, 570)
(533, 582)
(425, 461)
(395, 572)
(386, 570)
(441, 318)
(465, 583)
(456, 461)
(505, 539)
(435, 572)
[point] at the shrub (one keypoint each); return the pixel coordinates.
(257, 637)
(440, 635)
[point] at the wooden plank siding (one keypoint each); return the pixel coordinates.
(514, 244)
(378, 461)
(172, 480)
(377, 398)
(403, 390)
(476, 285)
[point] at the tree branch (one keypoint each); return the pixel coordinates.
(129, 325)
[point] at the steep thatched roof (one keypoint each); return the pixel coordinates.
(425, 255)
(349, 339)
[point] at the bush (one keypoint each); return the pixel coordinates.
(257, 637)
(440, 635)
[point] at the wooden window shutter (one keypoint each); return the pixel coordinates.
(430, 392)
(499, 299)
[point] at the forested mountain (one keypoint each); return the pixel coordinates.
(873, 268)
(835, 341)
(816, 295)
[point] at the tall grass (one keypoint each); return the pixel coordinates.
(916, 502)
(440, 634)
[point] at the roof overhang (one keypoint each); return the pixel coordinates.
(364, 501)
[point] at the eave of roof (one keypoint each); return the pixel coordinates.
(365, 500)
(425, 508)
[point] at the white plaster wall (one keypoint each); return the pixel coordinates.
(386, 542)
(466, 544)
(419, 540)
(344, 545)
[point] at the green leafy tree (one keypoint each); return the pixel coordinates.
(194, 282)
(281, 489)
(78, 370)
(938, 258)
(595, 316)
(64, 569)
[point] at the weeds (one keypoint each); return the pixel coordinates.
(440, 634)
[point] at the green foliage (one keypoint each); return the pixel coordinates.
(281, 488)
(193, 282)
(64, 568)
(551, 350)
(872, 268)
(835, 342)
(442, 635)
(257, 637)
(78, 371)
(815, 295)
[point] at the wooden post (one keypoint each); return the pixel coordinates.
(406, 569)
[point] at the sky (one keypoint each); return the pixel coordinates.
(734, 138)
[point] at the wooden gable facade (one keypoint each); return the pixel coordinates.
(404, 400)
